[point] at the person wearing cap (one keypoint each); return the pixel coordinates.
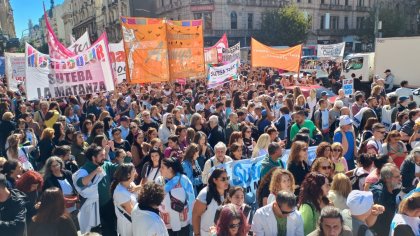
(363, 212)
(300, 122)
(403, 103)
(345, 135)
(389, 81)
(331, 223)
(124, 126)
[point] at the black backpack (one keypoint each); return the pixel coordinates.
(355, 179)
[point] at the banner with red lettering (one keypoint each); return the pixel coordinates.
(117, 57)
(15, 70)
(222, 43)
(86, 73)
(81, 44)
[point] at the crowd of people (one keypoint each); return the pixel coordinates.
(145, 160)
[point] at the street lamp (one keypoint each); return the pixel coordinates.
(21, 37)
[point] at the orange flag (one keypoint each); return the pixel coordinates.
(285, 59)
(186, 49)
(145, 44)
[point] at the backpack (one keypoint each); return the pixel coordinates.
(355, 179)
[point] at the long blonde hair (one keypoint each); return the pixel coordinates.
(298, 99)
(312, 93)
(262, 144)
(341, 184)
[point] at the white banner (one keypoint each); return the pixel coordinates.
(81, 44)
(231, 54)
(86, 73)
(15, 70)
(222, 74)
(331, 50)
(117, 57)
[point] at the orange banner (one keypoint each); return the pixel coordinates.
(145, 44)
(285, 59)
(186, 49)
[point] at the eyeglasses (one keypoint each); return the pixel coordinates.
(286, 212)
(234, 226)
(326, 167)
(224, 179)
(133, 127)
(336, 150)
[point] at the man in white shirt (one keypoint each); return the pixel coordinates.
(200, 105)
(404, 90)
(375, 142)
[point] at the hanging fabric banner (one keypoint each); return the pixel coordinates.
(146, 50)
(186, 49)
(86, 73)
(223, 74)
(81, 44)
(285, 59)
(15, 70)
(222, 43)
(117, 57)
(210, 55)
(331, 50)
(231, 54)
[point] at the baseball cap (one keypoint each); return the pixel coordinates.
(124, 118)
(345, 120)
(359, 202)
(323, 93)
(402, 99)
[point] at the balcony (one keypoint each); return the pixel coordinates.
(335, 7)
(363, 8)
(231, 33)
(258, 3)
(336, 32)
(201, 2)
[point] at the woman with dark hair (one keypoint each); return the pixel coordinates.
(375, 174)
(237, 102)
(232, 222)
(178, 188)
(191, 168)
(181, 131)
(365, 166)
(323, 150)
(87, 129)
(204, 148)
(367, 130)
(102, 141)
(248, 140)
(59, 133)
(108, 126)
(30, 183)
(145, 216)
(394, 148)
(263, 191)
(78, 148)
(98, 129)
(12, 169)
(137, 151)
(151, 169)
(312, 198)
(173, 149)
(236, 197)
(410, 170)
(155, 115)
(125, 196)
(71, 117)
(298, 162)
(52, 218)
(56, 176)
(123, 108)
(152, 133)
(208, 200)
(68, 136)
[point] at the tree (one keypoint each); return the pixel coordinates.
(286, 26)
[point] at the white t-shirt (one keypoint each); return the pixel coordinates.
(122, 195)
(207, 218)
(173, 219)
(154, 175)
(23, 158)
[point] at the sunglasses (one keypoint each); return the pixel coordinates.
(336, 150)
(133, 127)
(326, 167)
(286, 212)
(224, 179)
(234, 226)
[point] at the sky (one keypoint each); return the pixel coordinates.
(23, 10)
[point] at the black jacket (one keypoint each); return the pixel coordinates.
(217, 134)
(52, 181)
(408, 169)
(13, 214)
(6, 127)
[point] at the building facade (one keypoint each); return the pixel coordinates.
(7, 23)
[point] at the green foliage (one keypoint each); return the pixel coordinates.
(286, 26)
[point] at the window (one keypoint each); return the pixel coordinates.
(208, 20)
(233, 20)
(309, 1)
(163, 2)
(346, 3)
(334, 22)
(346, 22)
(322, 22)
(250, 20)
(360, 3)
(322, 1)
(335, 2)
(359, 22)
(198, 16)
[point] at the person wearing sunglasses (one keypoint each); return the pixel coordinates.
(279, 217)
(375, 142)
(208, 201)
(346, 138)
(324, 166)
(393, 147)
(232, 222)
(297, 163)
(340, 163)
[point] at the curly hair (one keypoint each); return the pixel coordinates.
(264, 182)
(320, 150)
(151, 194)
(25, 182)
(228, 214)
(316, 165)
(311, 191)
(275, 183)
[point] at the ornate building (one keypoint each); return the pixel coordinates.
(7, 23)
(84, 14)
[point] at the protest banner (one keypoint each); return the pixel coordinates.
(185, 49)
(56, 49)
(210, 55)
(348, 86)
(331, 50)
(2, 65)
(146, 48)
(117, 57)
(284, 59)
(15, 70)
(81, 44)
(222, 43)
(231, 54)
(311, 155)
(86, 73)
(223, 74)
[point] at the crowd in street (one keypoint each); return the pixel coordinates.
(145, 160)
